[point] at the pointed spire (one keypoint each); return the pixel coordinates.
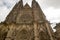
(33, 0)
(37, 11)
(26, 5)
(13, 14)
(20, 3)
(35, 4)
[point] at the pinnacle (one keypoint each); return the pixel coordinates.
(26, 5)
(33, 0)
(20, 0)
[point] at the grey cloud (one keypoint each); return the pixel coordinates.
(54, 3)
(9, 3)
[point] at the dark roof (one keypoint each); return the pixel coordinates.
(57, 26)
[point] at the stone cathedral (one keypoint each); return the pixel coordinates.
(26, 23)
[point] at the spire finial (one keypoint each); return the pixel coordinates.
(33, 0)
(21, 0)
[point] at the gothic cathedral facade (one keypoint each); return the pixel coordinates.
(26, 23)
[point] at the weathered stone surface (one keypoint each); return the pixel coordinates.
(33, 13)
(25, 15)
(3, 31)
(26, 23)
(57, 33)
(13, 14)
(37, 12)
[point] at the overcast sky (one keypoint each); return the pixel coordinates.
(51, 8)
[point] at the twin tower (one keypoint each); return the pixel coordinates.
(27, 23)
(25, 14)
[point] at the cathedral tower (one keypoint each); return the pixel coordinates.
(37, 12)
(13, 14)
(28, 23)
